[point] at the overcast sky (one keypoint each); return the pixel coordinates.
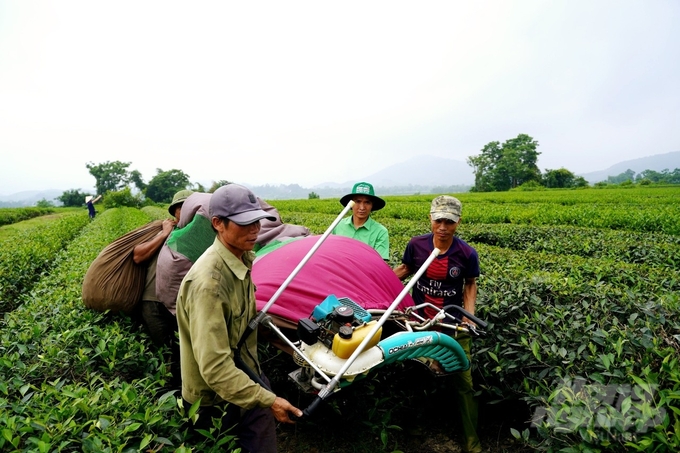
(286, 92)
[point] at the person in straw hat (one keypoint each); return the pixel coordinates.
(89, 201)
(360, 225)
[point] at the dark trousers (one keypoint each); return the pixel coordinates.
(162, 328)
(255, 428)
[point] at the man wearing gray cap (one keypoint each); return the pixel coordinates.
(215, 303)
(451, 279)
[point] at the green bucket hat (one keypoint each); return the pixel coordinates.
(179, 198)
(365, 189)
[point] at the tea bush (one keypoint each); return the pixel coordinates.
(25, 256)
(652, 249)
(72, 379)
(581, 289)
(13, 215)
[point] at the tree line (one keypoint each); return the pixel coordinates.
(500, 167)
(664, 176)
(505, 166)
(114, 181)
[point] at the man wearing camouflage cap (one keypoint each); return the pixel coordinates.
(451, 279)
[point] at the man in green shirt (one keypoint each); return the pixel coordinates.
(360, 225)
(216, 301)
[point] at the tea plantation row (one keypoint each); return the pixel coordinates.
(12, 215)
(24, 256)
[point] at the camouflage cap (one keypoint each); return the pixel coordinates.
(446, 207)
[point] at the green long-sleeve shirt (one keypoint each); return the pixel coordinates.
(215, 303)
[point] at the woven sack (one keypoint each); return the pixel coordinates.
(113, 281)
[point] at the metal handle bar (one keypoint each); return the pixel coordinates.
(468, 315)
(421, 323)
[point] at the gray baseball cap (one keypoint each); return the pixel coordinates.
(238, 204)
(446, 207)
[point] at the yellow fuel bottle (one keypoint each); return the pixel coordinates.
(347, 339)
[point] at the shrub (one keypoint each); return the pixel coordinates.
(530, 186)
(122, 198)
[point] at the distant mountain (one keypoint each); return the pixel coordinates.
(424, 171)
(421, 174)
(421, 171)
(332, 185)
(657, 162)
(30, 198)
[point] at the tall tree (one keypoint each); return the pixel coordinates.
(165, 184)
(109, 176)
(503, 167)
(520, 155)
(483, 164)
(136, 179)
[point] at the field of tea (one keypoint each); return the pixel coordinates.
(581, 289)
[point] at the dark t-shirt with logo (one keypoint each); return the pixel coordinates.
(442, 283)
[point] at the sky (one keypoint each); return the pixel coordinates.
(307, 92)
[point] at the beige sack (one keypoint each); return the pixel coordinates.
(113, 281)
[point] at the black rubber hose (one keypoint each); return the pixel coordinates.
(468, 315)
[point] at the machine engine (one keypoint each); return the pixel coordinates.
(332, 317)
(339, 324)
